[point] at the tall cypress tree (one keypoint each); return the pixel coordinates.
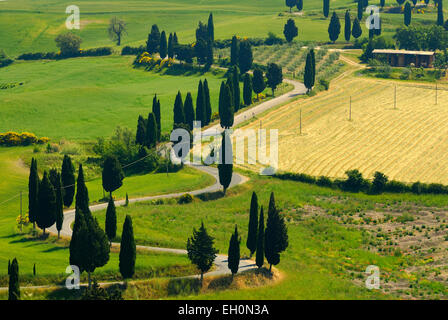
(247, 89)
(236, 88)
(211, 28)
(96, 247)
(68, 180)
(14, 286)
(151, 131)
(326, 8)
(140, 136)
(201, 112)
(225, 166)
(382, 3)
(360, 10)
(189, 110)
(334, 28)
(313, 63)
(234, 51)
(82, 195)
(163, 48)
(175, 39)
(251, 242)
(407, 14)
(259, 258)
(230, 83)
(245, 57)
(258, 82)
(127, 249)
(233, 260)
(440, 13)
(153, 42)
(170, 46)
(179, 114)
(156, 111)
(59, 203)
(47, 204)
(208, 106)
(112, 174)
(111, 221)
(347, 26)
(33, 191)
(299, 5)
(276, 235)
(308, 74)
(356, 31)
(226, 111)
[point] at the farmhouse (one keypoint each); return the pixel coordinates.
(403, 58)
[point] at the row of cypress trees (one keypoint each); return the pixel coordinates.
(241, 54)
(158, 43)
(149, 129)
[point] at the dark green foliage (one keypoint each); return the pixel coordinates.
(14, 285)
(347, 26)
(379, 182)
(201, 112)
(407, 13)
(189, 110)
(290, 31)
(112, 174)
(274, 76)
(33, 191)
(299, 5)
(445, 25)
(47, 204)
(291, 4)
(200, 51)
(440, 19)
(258, 81)
(382, 3)
(245, 56)
(421, 38)
(309, 72)
(236, 88)
(97, 293)
(355, 182)
(209, 57)
(127, 249)
(170, 49)
(226, 111)
(68, 180)
(225, 166)
(163, 47)
(111, 220)
(82, 195)
(153, 42)
(234, 51)
(230, 84)
(151, 131)
(360, 10)
(259, 258)
(34, 269)
(251, 242)
(247, 90)
(57, 184)
(326, 8)
(334, 28)
(233, 260)
(9, 267)
(179, 114)
(368, 51)
(200, 250)
(211, 28)
(356, 31)
(208, 106)
(276, 234)
(175, 39)
(184, 52)
(156, 111)
(140, 136)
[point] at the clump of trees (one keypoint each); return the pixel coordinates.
(68, 43)
(421, 37)
(241, 54)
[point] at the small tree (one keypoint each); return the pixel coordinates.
(247, 90)
(151, 131)
(299, 5)
(407, 14)
(140, 136)
(112, 174)
(356, 31)
(379, 182)
(68, 180)
(326, 8)
(347, 26)
(259, 258)
(208, 106)
(234, 51)
(111, 221)
(163, 47)
(59, 203)
(189, 110)
(226, 111)
(68, 43)
(156, 111)
(47, 204)
(82, 194)
(360, 10)
(179, 114)
(225, 166)
(274, 76)
(14, 286)
(251, 242)
(245, 59)
(309, 72)
(258, 82)
(170, 49)
(291, 4)
(127, 249)
(117, 28)
(334, 28)
(33, 191)
(290, 30)
(201, 251)
(211, 28)
(201, 112)
(233, 260)
(153, 42)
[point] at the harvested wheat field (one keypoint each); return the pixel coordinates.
(409, 143)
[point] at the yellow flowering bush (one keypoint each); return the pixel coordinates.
(150, 62)
(22, 220)
(12, 138)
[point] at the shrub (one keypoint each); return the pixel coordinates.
(324, 83)
(396, 187)
(215, 116)
(379, 182)
(4, 59)
(68, 43)
(355, 182)
(324, 182)
(11, 138)
(185, 198)
(127, 50)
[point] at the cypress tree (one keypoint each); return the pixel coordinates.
(259, 258)
(96, 249)
(407, 14)
(47, 204)
(299, 5)
(175, 39)
(236, 88)
(211, 28)
(356, 31)
(127, 249)
(290, 30)
(201, 113)
(208, 106)
(229, 83)
(170, 46)
(313, 63)
(245, 57)
(179, 114)
(326, 8)
(68, 180)
(156, 111)
(59, 203)
(9, 267)
(112, 174)
(163, 48)
(347, 26)
(140, 136)
(233, 260)
(151, 131)
(251, 242)
(14, 286)
(201, 251)
(111, 221)
(226, 111)
(234, 51)
(334, 28)
(153, 42)
(290, 4)
(440, 13)
(33, 191)
(82, 195)
(274, 76)
(225, 166)
(258, 82)
(382, 3)
(360, 10)
(247, 89)
(276, 235)
(34, 269)
(209, 57)
(377, 31)
(372, 26)
(189, 110)
(308, 74)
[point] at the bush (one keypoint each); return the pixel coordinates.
(127, 50)
(94, 52)
(355, 182)
(396, 187)
(68, 43)
(11, 138)
(324, 83)
(4, 59)
(324, 182)
(185, 198)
